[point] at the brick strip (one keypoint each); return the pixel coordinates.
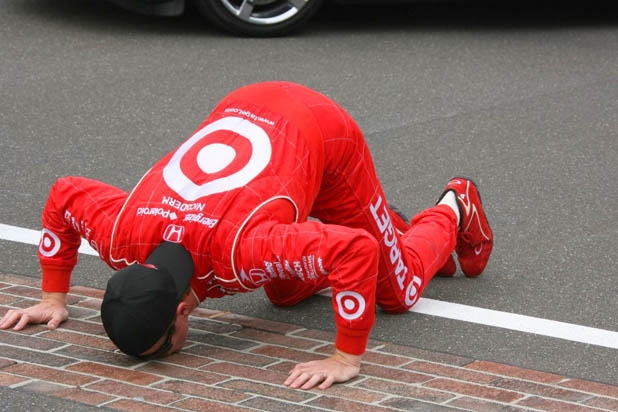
(83, 396)
(449, 371)
(477, 391)
(116, 373)
(186, 374)
(133, 391)
(407, 391)
(215, 352)
(287, 353)
(9, 380)
(64, 337)
(592, 387)
(235, 363)
(49, 374)
(554, 406)
(210, 392)
(515, 372)
(199, 405)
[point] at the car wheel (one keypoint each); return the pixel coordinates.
(259, 17)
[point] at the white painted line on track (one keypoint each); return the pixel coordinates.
(513, 321)
(425, 306)
(521, 323)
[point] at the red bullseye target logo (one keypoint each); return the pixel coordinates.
(204, 156)
(412, 291)
(351, 305)
(49, 244)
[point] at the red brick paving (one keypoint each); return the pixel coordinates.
(9, 380)
(223, 354)
(287, 353)
(203, 391)
(186, 374)
(554, 406)
(49, 374)
(406, 391)
(64, 337)
(258, 388)
(83, 396)
(477, 391)
(235, 363)
(450, 371)
(116, 373)
(592, 387)
(515, 372)
(603, 403)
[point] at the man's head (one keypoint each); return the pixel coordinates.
(142, 302)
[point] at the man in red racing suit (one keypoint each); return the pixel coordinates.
(237, 196)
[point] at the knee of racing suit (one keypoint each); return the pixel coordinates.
(394, 297)
(398, 292)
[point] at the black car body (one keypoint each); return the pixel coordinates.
(242, 17)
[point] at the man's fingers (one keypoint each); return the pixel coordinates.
(295, 369)
(4, 320)
(294, 373)
(324, 372)
(9, 319)
(300, 380)
(56, 320)
(52, 313)
(23, 322)
(52, 324)
(327, 382)
(314, 380)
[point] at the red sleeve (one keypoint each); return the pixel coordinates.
(59, 240)
(56, 278)
(76, 207)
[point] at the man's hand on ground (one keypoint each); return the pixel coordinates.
(341, 367)
(51, 310)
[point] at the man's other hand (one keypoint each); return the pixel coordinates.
(341, 367)
(51, 310)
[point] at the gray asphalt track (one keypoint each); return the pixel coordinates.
(524, 98)
(27, 400)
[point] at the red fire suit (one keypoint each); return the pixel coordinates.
(237, 195)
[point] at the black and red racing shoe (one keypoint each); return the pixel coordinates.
(474, 240)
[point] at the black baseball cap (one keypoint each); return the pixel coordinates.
(140, 300)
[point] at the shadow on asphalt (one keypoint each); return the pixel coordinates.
(479, 15)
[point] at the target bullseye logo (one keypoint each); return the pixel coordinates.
(351, 305)
(215, 157)
(49, 244)
(412, 291)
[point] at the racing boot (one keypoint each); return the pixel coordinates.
(449, 268)
(474, 239)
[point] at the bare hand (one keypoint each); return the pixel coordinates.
(51, 310)
(341, 367)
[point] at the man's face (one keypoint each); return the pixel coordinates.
(175, 338)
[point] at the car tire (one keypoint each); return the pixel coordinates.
(259, 18)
